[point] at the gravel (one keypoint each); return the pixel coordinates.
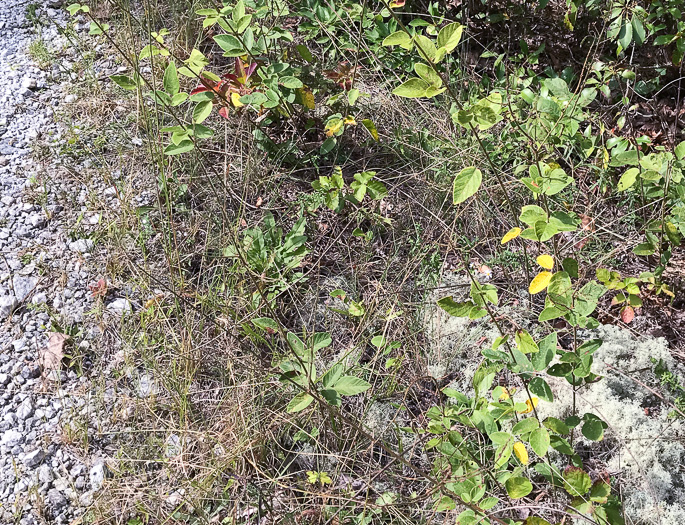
(44, 276)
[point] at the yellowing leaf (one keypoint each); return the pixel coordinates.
(349, 121)
(306, 97)
(521, 452)
(504, 395)
(530, 406)
(546, 261)
(540, 282)
(334, 127)
(235, 98)
(511, 234)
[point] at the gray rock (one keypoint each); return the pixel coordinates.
(7, 305)
(12, 438)
(26, 409)
(56, 499)
(81, 245)
(120, 306)
(23, 286)
(97, 475)
(45, 474)
(35, 458)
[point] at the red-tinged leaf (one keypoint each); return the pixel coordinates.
(397, 3)
(240, 70)
(627, 314)
(224, 112)
(98, 289)
(199, 89)
(230, 76)
(250, 69)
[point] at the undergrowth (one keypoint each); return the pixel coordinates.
(313, 178)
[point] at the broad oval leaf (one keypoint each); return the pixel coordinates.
(627, 179)
(518, 487)
(177, 149)
(521, 452)
(350, 385)
(540, 282)
(539, 441)
(412, 88)
(546, 261)
(299, 403)
(450, 35)
(511, 234)
(398, 38)
(466, 183)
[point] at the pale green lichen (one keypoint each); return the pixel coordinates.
(643, 449)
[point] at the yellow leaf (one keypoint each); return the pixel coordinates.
(511, 234)
(235, 98)
(349, 121)
(504, 395)
(546, 261)
(540, 282)
(306, 98)
(530, 406)
(334, 127)
(521, 452)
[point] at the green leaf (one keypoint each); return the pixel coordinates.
(171, 84)
(593, 428)
(371, 128)
(625, 35)
(179, 98)
(638, 30)
(525, 426)
(532, 214)
(296, 344)
(426, 48)
(539, 441)
(202, 111)
(680, 150)
(576, 481)
(177, 149)
(600, 491)
(518, 487)
(556, 425)
(305, 53)
(398, 38)
(265, 323)
(645, 248)
(466, 183)
(350, 385)
(428, 74)
(327, 145)
(449, 36)
(230, 44)
(547, 349)
(570, 266)
(412, 88)
(299, 402)
(627, 179)
(525, 342)
(291, 82)
(124, 82)
(540, 388)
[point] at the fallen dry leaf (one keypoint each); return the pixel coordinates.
(259, 202)
(50, 357)
(627, 314)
